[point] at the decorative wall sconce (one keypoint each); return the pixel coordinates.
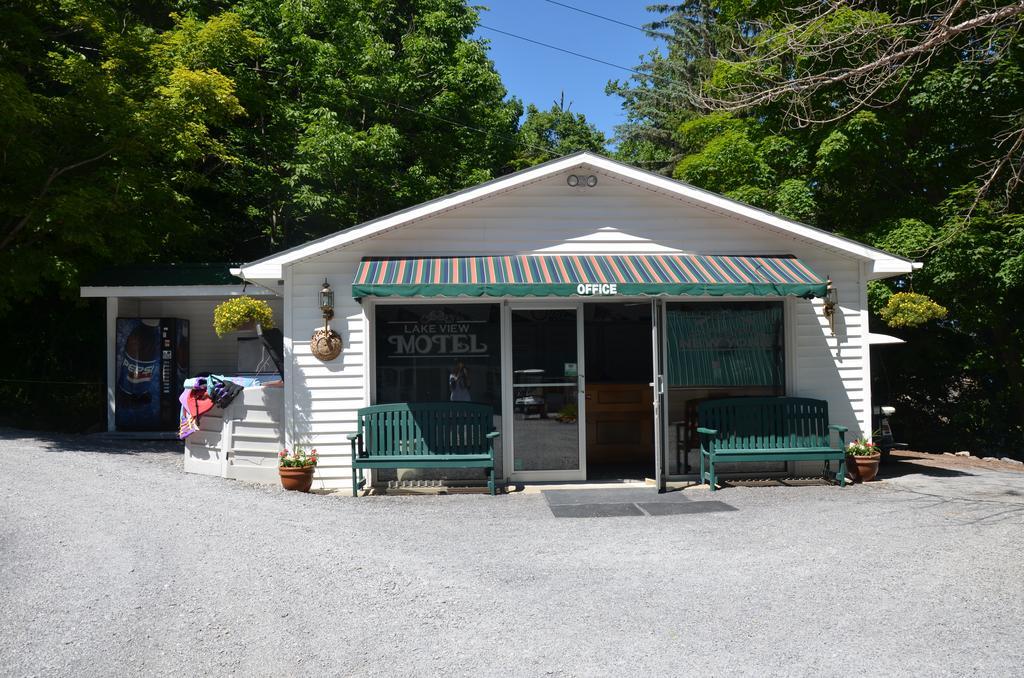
(829, 307)
(325, 343)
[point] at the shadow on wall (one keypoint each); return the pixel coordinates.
(823, 379)
(335, 405)
(276, 413)
(299, 416)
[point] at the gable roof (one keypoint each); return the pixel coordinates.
(883, 263)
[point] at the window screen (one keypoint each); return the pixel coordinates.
(725, 344)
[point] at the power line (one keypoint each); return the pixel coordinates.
(609, 19)
(515, 140)
(577, 54)
(456, 124)
(414, 111)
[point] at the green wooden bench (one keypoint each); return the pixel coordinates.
(767, 429)
(423, 435)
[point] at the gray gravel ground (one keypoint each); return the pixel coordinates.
(120, 564)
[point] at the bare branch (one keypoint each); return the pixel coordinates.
(823, 61)
(1009, 165)
(876, 59)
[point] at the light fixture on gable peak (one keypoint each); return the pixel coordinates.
(577, 179)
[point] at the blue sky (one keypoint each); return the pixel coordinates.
(539, 75)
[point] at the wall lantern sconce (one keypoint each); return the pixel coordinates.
(325, 343)
(829, 307)
(327, 301)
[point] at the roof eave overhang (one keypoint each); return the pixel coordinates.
(165, 291)
(891, 267)
(271, 268)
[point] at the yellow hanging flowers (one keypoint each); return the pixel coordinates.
(234, 313)
(910, 309)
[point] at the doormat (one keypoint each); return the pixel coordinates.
(595, 510)
(613, 503)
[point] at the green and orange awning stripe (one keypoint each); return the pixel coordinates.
(586, 275)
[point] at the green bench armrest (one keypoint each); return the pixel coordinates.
(707, 431)
(841, 430)
(353, 436)
(494, 434)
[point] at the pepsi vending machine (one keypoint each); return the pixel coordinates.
(152, 364)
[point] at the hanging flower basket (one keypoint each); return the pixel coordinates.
(909, 309)
(241, 313)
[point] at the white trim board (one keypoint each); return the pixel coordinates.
(176, 291)
(883, 264)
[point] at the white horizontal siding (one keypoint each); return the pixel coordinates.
(550, 216)
(834, 368)
(324, 397)
(242, 441)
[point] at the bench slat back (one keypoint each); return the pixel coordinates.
(426, 429)
(766, 423)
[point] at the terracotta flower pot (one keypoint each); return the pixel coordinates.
(863, 469)
(297, 478)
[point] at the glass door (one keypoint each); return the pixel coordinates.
(547, 394)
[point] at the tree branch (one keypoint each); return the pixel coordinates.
(54, 175)
(884, 66)
(1010, 163)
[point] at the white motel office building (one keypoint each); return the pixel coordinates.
(592, 304)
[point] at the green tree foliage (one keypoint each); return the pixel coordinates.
(175, 130)
(97, 135)
(764, 102)
(227, 130)
(555, 132)
(356, 109)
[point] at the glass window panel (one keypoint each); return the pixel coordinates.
(435, 352)
(719, 350)
(725, 344)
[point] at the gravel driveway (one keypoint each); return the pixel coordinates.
(114, 562)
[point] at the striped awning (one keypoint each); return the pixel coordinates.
(586, 275)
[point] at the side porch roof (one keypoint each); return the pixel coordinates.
(169, 281)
